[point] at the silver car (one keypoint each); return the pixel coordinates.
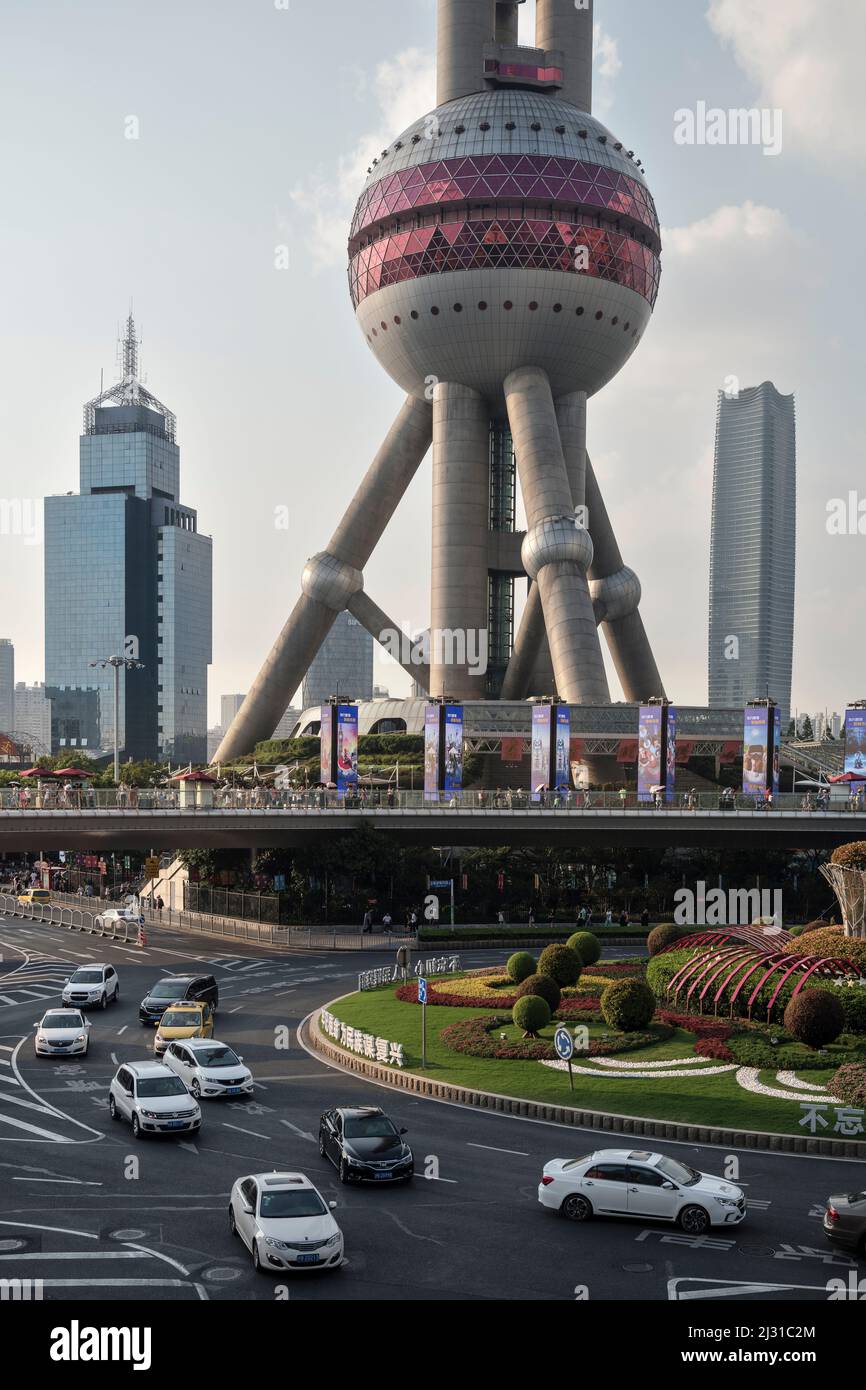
(153, 1099)
(285, 1222)
(62, 1033)
(209, 1068)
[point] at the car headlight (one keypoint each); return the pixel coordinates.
(334, 1240)
(150, 1114)
(725, 1202)
(277, 1244)
(81, 1038)
(40, 1037)
(353, 1162)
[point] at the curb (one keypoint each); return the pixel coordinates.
(567, 1115)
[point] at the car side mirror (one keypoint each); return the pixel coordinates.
(248, 1211)
(240, 1058)
(404, 1130)
(669, 1186)
(333, 1206)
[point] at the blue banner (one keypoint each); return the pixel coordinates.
(453, 748)
(347, 747)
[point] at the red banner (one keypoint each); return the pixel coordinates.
(627, 750)
(684, 750)
(511, 750)
(575, 750)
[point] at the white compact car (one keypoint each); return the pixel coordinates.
(91, 987)
(62, 1033)
(209, 1068)
(153, 1099)
(636, 1183)
(285, 1222)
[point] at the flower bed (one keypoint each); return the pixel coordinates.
(472, 1036)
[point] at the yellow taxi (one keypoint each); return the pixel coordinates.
(183, 1020)
(34, 895)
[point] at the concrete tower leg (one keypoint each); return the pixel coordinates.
(616, 594)
(555, 552)
(461, 511)
(383, 630)
(463, 28)
(565, 25)
(331, 578)
(507, 22)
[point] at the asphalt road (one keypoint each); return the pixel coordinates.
(96, 1216)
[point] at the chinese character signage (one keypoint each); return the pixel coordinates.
(453, 748)
(649, 751)
(432, 751)
(562, 773)
(347, 747)
(540, 766)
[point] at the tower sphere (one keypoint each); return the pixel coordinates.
(503, 229)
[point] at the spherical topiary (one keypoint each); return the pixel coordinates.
(849, 1084)
(587, 946)
(520, 966)
(663, 936)
(561, 963)
(627, 1005)
(819, 924)
(531, 1013)
(851, 856)
(545, 987)
(814, 1017)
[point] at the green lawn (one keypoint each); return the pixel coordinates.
(715, 1101)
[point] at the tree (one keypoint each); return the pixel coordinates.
(807, 733)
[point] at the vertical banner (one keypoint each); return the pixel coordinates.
(540, 763)
(453, 748)
(649, 751)
(326, 745)
(347, 747)
(756, 750)
(777, 748)
(562, 780)
(855, 742)
(432, 751)
(670, 777)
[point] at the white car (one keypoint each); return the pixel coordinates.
(92, 986)
(62, 1033)
(636, 1183)
(209, 1068)
(285, 1222)
(153, 1099)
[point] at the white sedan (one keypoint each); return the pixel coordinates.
(636, 1183)
(62, 1033)
(209, 1068)
(285, 1222)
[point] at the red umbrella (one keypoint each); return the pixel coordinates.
(73, 772)
(38, 772)
(849, 777)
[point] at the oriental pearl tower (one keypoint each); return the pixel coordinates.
(503, 266)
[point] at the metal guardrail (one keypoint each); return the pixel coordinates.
(73, 918)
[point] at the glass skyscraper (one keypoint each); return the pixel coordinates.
(753, 549)
(127, 574)
(343, 665)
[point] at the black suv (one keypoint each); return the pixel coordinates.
(171, 989)
(364, 1145)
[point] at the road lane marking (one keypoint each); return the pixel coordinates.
(58, 1230)
(122, 1030)
(236, 1010)
(226, 1125)
(79, 1182)
(301, 1133)
(518, 1153)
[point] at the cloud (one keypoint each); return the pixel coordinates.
(806, 57)
(605, 53)
(404, 89)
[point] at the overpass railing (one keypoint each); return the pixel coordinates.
(72, 917)
(264, 800)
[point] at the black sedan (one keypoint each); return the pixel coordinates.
(364, 1145)
(845, 1221)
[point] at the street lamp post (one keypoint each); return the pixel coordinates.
(118, 663)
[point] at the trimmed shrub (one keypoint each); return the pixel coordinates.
(628, 1005)
(587, 946)
(663, 936)
(531, 1013)
(814, 1017)
(545, 987)
(520, 966)
(819, 924)
(851, 856)
(561, 963)
(712, 1047)
(830, 941)
(849, 1084)
(661, 970)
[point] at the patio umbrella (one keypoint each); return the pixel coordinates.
(849, 777)
(77, 772)
(39, 772)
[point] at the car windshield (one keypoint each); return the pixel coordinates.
(62, 1021)
(302, 1202)
(216, 1057)
(181, 1018)
(167, 989)
(678, 1172)
(369, 1127)
(161, 1086)
(84, 976)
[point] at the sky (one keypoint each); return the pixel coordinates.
(224, 222)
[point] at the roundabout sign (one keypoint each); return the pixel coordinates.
(563, 1045)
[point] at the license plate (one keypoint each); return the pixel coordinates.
(308, 1259)
(379, 1176)
(233, 1090)
(176, 1124)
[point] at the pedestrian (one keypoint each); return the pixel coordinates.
(644, 918)
(413, 922)
(532, 917)
(159, 905)
(386, 922)
(608, 917)
(623, 797)
(623, 918)
(500, 917)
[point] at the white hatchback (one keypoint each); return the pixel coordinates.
(209, 1068)
(153, 1099)
(285, 1222)
(92, 986)
(642, 1185)
(62, 1033)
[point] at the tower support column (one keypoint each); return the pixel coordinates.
(556, 553)
(461, 510)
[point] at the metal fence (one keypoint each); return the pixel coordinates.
(73, 917)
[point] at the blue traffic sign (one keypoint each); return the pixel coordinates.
(422, 990)
(564, 1044)
(440, 883)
